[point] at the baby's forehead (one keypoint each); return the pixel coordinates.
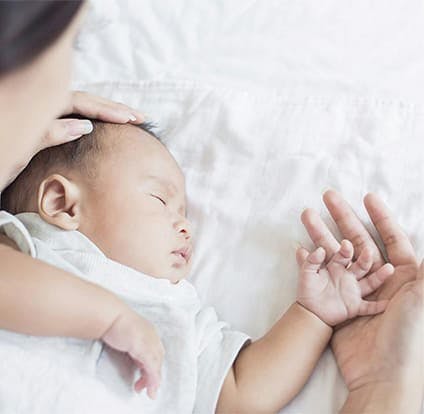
(136, 144)
(164, 182)
(115, 136)
(131, 142)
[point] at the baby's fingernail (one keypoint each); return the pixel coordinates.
(80, 127)
(132, 117)
(155, 392)
(295, 245)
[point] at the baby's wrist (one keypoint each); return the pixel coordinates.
(304, 309)
(114, 309)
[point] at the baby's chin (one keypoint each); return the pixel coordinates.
(173, 274)
(172, 271)
(178, 274)
(173, 277)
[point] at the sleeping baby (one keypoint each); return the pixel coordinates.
(111, 208)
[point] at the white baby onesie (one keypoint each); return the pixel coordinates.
(199, 349)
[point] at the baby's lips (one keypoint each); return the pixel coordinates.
(186, 252)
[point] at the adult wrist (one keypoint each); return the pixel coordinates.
(385, 397)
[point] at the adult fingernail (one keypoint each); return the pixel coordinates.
(80, 127)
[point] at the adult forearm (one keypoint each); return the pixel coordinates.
(272, 370)
(39, 299)
(388, 398)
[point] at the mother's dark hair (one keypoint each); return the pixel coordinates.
(29, 27)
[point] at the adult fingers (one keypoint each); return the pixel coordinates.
(103, 109)
(351, 227)
(372, 282)
(399, 248)
(319, 232)
(64, 130)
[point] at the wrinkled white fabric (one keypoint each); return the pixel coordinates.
(199, 349)
(300, 48)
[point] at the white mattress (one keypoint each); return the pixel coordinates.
(265, 105)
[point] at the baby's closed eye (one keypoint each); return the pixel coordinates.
(159, 198)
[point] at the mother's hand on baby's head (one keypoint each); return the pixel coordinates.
(64, 130)
(91, 106)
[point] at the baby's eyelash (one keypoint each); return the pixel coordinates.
(157, 197)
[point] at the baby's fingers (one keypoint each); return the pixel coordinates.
(344, 255)
(147, 380)
(150, 379)
(314, 260)
(301, 255)
(372, 308)
(372, 282)
(142, 382)
(363, 264)
(150, 367)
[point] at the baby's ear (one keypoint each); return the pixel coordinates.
(59, 202)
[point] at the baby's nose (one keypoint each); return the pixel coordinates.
(186, 234)
(183, 227)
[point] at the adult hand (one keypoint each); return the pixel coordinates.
(365, 347)
(384, 364)
(398, 247)
(386, 348)
(64, 130)
(91, 106)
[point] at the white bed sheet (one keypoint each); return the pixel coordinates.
(265, 105)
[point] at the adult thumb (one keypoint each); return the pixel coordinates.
(64, 130)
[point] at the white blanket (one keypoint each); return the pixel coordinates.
(266, 105)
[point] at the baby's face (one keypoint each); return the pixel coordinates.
(135, 208)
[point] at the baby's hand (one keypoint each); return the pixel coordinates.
(334, 292)
(136, 336)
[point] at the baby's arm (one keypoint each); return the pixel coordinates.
(269, 372)
(39, 299)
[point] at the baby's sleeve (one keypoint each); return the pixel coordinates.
(218, 347)
(16, 231)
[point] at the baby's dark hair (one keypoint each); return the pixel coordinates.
(78, 154)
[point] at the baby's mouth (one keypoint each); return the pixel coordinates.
(184, 254)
